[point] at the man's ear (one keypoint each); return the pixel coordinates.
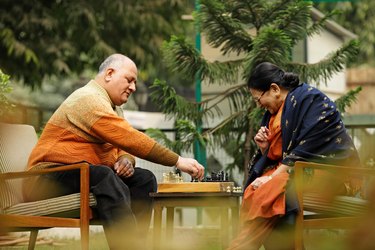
(108, 74)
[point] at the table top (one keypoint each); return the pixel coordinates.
(198, 194)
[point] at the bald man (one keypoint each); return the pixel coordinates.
(89, 126)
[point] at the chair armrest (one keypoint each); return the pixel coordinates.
(30, 173)
(300, 165)
(84, 182)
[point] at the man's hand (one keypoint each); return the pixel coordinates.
(190, 166)
(123, 167)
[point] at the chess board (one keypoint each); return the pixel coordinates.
(195, 187)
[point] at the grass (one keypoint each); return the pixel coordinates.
(97, 242)
(194, 238)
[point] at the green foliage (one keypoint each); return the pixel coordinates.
(271, 45)
(185, 130)
(347, 100)
(182, 57)
(358, 17)
(167, 97)
(39, 38)
(4, 89)
(323, 70)
(225, 30)
(257, 31)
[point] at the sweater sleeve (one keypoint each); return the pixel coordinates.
(118, 132)
(160, 153)
(98, 122)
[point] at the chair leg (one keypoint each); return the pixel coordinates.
(85, 232)
(32, 240)
(299, 232)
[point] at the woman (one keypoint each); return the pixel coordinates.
(301, 123)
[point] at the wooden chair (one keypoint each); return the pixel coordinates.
(317, 192)
(16, 143)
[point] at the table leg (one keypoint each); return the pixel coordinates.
(224, 227)
(170, 222)
(235, 221)
(157, 225)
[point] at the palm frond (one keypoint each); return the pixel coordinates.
(270, 45)
(221, 29)
(250, 12)
(317, 26)
(323, 70)
(347, 100)
(182, 57)
(293, 20)
(236, 95)
(170, 102)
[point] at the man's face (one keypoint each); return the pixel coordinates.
(121, 82)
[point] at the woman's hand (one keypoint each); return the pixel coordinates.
(260, 181)
(261, 138)
(264, 179)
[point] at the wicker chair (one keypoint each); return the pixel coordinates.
(16, 143)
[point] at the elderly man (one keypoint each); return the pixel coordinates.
(88, 126)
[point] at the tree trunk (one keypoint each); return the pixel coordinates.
(247, 152)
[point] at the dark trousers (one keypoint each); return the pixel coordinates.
(118, 199)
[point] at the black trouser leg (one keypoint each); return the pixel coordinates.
(141, 184)
(111, 193)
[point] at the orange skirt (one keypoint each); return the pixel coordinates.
(266, 201)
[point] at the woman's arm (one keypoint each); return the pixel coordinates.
(264, 179)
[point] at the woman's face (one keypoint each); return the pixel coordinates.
(270, 99)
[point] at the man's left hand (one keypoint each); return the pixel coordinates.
(123, 167)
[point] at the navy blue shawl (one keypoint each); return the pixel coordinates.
(312, 130)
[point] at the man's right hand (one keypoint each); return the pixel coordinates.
(190, 166)
(123, 167)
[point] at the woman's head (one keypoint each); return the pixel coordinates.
(266, 73)
(269, 85)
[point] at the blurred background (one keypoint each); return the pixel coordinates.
(50, 48)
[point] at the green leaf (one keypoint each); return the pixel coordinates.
(347, 100)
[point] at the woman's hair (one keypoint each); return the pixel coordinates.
(266, 73)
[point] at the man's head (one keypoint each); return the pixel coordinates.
(118, 76)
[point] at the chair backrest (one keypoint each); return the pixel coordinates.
(321, 189)
(16, 143)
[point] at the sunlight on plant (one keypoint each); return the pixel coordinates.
(4, 89)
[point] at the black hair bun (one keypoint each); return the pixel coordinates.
(291, 80)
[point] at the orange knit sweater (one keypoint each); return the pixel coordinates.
(87, 127)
